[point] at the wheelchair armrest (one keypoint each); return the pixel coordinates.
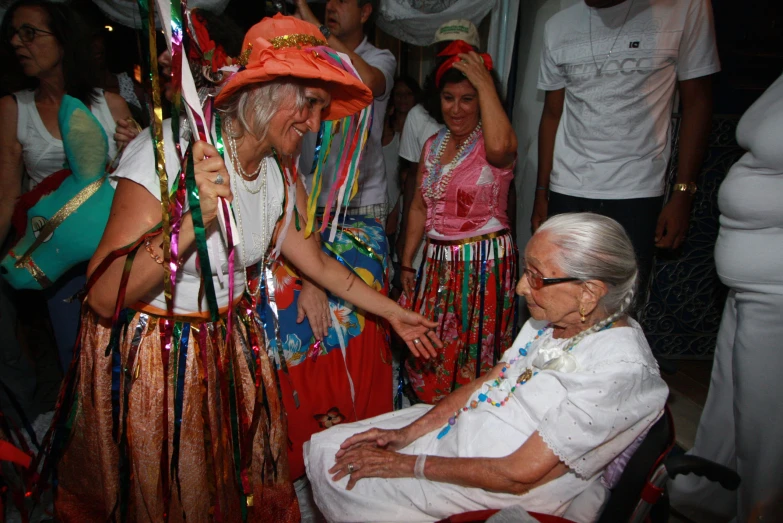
(686, 464)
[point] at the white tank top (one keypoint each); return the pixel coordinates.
(43, 153)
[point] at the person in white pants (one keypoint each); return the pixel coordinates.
(742, 423)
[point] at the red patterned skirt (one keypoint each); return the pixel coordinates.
(467, 286)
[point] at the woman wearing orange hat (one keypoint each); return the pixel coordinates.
(173, 411)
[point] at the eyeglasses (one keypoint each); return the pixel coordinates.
(538, 282)
(27, 33)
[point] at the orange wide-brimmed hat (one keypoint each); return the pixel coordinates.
(283, 46)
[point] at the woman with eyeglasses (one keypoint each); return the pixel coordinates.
(546, 429)
(53, 59)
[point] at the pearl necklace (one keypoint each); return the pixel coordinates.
(523, 378)
(238, 214)
(241, 171)
(435, 183)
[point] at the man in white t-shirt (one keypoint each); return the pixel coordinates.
(344, 31)
(610, 69)
(419, 126)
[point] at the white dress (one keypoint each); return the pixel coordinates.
(587, 417)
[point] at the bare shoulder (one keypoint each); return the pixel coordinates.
(8, 107)
(117, 105)
(8, 115)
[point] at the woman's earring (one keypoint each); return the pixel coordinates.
(582, 314)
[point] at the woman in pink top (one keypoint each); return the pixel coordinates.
(466, 283)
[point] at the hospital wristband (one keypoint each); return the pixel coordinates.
(418, 468)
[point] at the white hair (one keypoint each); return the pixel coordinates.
(595, 247)
(251, 108)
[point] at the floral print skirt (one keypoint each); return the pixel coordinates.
(348, 376)
(467, 286)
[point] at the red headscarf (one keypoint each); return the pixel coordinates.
(453, 51)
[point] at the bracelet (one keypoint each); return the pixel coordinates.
(541, 188)
(690, 188)
(405, 268)
(418, 468)
(155, 256)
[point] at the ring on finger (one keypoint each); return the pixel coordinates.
(351, 468)
(219, 180)
(416, 341)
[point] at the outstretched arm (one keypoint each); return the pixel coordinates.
(327, 272)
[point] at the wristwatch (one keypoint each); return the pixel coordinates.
(325, 31)
(686, 187)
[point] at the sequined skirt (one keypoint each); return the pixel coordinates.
(192, 432)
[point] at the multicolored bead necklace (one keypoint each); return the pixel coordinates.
(434, 184)
(521, 380)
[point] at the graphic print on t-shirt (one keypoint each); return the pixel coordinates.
(619, 67)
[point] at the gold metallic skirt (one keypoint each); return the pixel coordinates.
(193, 430)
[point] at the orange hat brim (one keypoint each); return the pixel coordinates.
(349, 94)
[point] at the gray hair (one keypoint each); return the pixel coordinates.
(251, 108)
(595, 247)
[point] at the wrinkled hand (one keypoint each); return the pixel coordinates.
(303, 12)
(673, 222)
(417, 332)
(385, 439)
(207, 165)
(472, 66)
(372, 462)
(314, 305)
(125, 132)
(540, 210)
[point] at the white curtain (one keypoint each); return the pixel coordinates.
(500, 44)
(126, 12)
(415, 21)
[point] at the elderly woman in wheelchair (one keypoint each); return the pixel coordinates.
(577, 389)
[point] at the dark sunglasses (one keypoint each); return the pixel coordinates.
(27, 33)
(538, 282)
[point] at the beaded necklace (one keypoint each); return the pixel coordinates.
(521, 380)
(236, 205)
(435, 184)
(244, 175)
